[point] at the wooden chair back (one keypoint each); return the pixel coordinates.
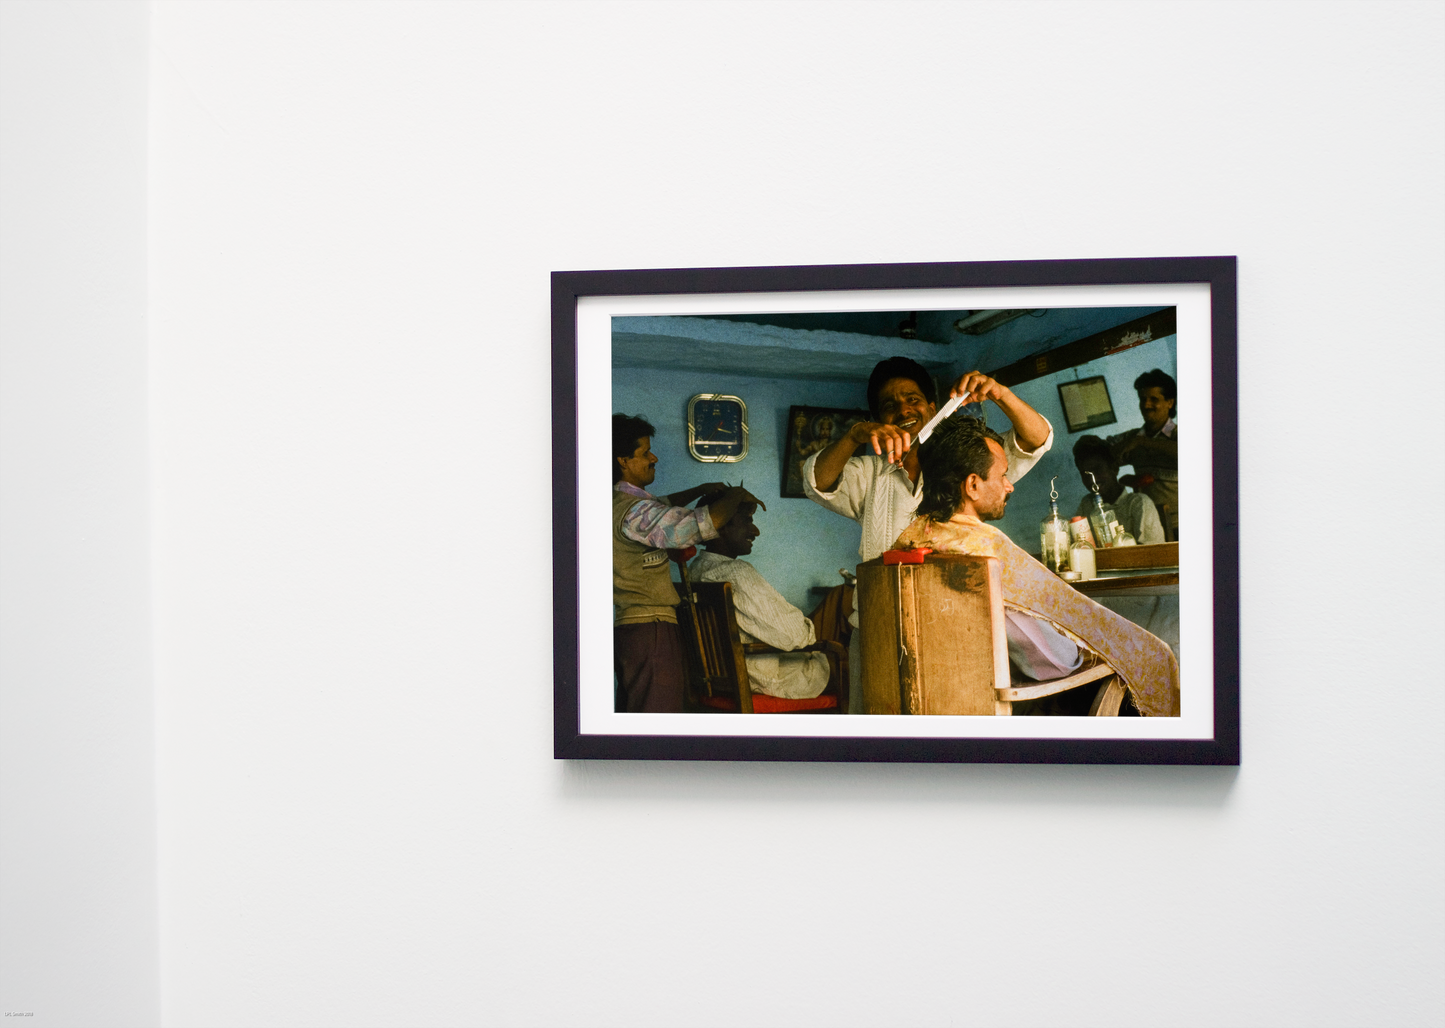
(934, 642)
(716, 664)
(933, 635)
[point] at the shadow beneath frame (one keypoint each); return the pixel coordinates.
(772, 782)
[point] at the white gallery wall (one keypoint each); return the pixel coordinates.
(294, 766)
(78, 911)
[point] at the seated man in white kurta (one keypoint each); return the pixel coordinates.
(763, 615)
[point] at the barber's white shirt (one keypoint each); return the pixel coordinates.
(879, 496)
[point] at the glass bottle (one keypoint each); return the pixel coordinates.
(1054, 535)
(1081, 555)
(1104, 522)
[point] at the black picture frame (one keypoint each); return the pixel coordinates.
(1220, 745)
(1081, 425)
(810, 429)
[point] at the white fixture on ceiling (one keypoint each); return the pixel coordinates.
(979, 322)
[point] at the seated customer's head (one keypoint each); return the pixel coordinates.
(735, 538)
(964, 466)
(1096, 463)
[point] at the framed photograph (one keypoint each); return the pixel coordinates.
(974, 600)
(1086, 403)
(811, 430)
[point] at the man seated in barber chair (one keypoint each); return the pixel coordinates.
(1052, 628)
(763, 615)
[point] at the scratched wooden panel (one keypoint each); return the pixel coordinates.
(932, 637)
(954, 610)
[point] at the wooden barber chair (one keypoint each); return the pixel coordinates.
(717, 668)
(933, 642)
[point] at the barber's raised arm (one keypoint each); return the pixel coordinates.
(722, 509)
(884, 440)
(686, 496)
(1031, 429)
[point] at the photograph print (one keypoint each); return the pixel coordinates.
(964, 522)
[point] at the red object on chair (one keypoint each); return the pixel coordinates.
(892, 557)
(765, 704)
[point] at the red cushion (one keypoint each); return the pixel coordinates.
(772, 705)
(763, 704)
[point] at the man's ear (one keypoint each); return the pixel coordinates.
(970, 485)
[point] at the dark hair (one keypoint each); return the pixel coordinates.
(1092, 446)
(1163, 381)
(899, 367)
(627, 429)
(958, 448)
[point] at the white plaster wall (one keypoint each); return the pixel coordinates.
(353, 211)
(78, 921)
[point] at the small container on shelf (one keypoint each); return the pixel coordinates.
(1081, 559)
(1079, 530)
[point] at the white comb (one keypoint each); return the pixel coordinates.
(937, 419)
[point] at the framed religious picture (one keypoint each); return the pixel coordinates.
(812, 430)
(1014, 556)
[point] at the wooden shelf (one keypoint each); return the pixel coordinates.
(1121, 582)
(1155, 555)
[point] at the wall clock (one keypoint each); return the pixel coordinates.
(717, 428)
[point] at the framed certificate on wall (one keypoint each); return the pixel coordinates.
(1086, 403)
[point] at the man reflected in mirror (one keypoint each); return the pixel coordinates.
(1154, 449)
(1135, 511)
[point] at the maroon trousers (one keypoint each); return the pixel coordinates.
(650, 667)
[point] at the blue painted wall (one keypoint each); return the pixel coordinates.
(802, 544)
(1030, 502)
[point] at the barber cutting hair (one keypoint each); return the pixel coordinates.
(872, 474)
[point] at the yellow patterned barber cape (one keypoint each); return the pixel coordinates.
(1145, 663)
